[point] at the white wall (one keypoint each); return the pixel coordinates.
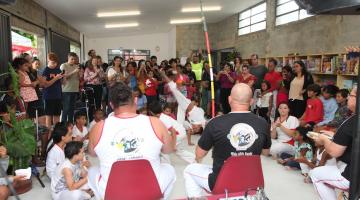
(166, 42)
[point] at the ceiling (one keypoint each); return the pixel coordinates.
(155, 14)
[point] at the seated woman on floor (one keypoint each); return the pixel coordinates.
(282, 132)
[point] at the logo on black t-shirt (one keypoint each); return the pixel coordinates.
(242, 136)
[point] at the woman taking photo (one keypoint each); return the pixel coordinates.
(115, 73)
(227, 79)
(297, 92)
(27, 88)
(282, 132)
(93, 77)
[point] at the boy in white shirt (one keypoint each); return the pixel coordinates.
(80, 132)
(98, 116)
(70, 179)
(61, 135)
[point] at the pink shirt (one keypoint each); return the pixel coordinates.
(225, 82)
(27, 93)
(93, 77)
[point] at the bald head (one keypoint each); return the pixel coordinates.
(241, 94)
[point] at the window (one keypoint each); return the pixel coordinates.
(252, 19)
(288, 11)
(129, 54)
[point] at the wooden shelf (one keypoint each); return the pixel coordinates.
(326, 74)
(324, 61)
(348, 75)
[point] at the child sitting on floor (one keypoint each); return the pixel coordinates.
(314, 112)
(303, 152)
(329, 103)
(61, 135)
(98, 116)
(80, 132)
(322, 159)
(70, 178)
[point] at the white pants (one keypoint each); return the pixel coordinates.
(183, 102)
(196, 179)
(325, 179)
(165, 175)
(278, 148)
(72, 195)
(182, 153)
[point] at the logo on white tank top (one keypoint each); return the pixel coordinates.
(127, 143)
(242, 136)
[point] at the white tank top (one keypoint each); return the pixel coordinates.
(127, 139)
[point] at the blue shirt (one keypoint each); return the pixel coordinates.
(54, 91)
(141, 102)
(330, 107)
(132, 82)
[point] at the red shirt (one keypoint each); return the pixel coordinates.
(150, 87)
(274, 78)
(314, 111)
(241, 79)
(190, 91)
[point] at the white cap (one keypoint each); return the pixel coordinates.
(196, 116)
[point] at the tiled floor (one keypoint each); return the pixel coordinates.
(280, 184)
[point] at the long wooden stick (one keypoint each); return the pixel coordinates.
(210, 61)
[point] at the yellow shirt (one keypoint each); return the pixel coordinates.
(197, 69)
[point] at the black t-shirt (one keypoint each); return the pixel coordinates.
(259, 72)
(344, 137)
(234, 134)
(206, 77)
(191, 75)
(54, 91)
(33, 77)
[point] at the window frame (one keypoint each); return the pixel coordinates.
(251, 16)
(289, 12)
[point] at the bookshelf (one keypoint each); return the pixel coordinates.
(326, 68)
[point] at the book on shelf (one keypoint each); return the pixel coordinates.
(348, 84)
(313, 64)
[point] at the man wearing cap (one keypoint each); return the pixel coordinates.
(238, 133)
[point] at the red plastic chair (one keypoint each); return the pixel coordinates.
(132, 180)
(239, 174)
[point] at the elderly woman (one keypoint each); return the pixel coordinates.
(327, 178)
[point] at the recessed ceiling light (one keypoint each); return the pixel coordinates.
(124, 25)
(185, 21)
(205, 8)
(118, 13)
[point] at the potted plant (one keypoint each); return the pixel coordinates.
(19, 139)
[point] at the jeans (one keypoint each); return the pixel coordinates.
(69, 99)
(290, 163)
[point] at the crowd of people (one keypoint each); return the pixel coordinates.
(97, 107)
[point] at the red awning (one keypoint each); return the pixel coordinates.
(18, 49)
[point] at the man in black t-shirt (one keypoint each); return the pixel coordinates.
(327, 178)
(239, 133)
